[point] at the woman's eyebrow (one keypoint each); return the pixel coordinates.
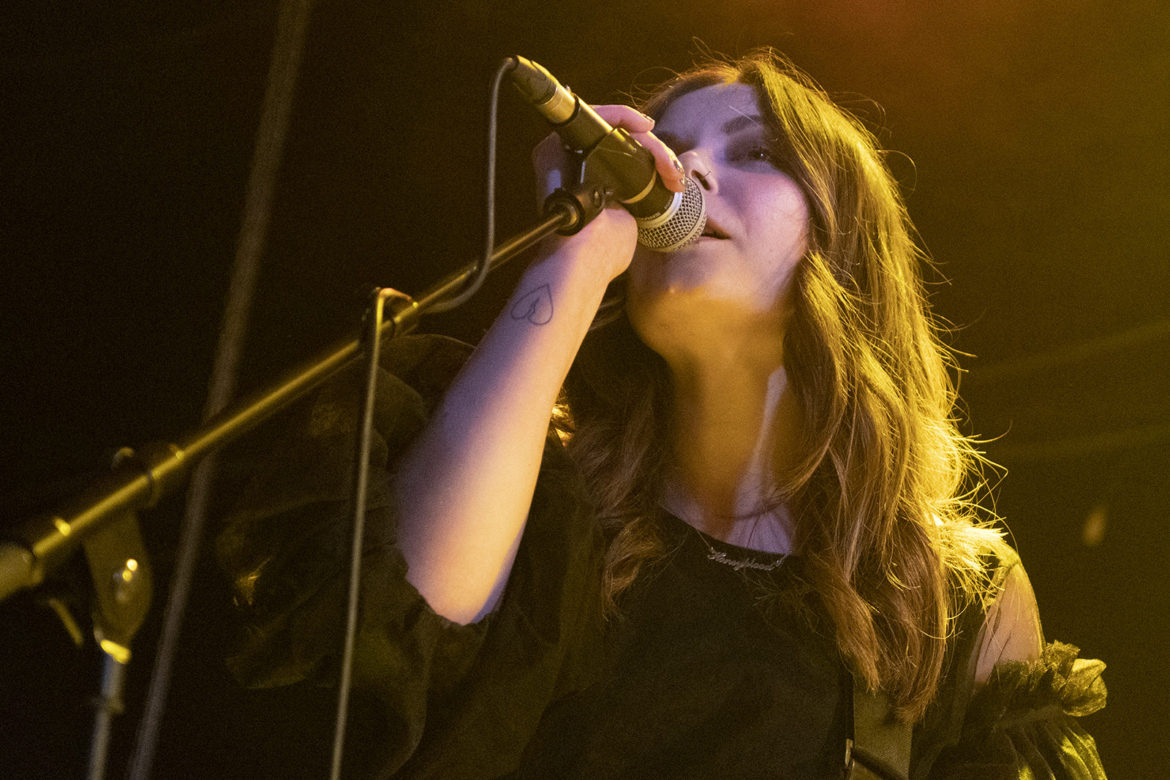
(730, 127)
(739, 123)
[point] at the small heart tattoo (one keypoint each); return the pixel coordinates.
(536, 306)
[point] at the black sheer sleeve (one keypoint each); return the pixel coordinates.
(1022, 721)
(481, 686)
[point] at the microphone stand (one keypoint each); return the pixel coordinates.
(140, 478)
(102, 518)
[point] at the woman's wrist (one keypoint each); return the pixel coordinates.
(571, 277)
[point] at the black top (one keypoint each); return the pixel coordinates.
(701, 677)
(711, 670)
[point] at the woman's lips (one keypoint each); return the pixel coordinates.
(713, 230)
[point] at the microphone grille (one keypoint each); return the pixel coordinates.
(682, 223)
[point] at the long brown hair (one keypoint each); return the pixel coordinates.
(881, 494)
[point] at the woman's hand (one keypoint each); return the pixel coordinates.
(608, 242)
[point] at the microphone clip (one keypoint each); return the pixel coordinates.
(599, 179)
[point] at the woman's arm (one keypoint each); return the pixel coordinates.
(1022, 718)
(1011, 630)
(465, 487)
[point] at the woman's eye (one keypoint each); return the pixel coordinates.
(756, 153)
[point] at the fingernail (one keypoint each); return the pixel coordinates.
(647, 117)
(677, 164)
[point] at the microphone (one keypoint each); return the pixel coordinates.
(667, 220)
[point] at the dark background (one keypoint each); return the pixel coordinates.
(1032, 142)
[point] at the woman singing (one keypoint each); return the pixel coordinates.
(697, 514)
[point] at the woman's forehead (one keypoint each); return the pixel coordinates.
(722, 107)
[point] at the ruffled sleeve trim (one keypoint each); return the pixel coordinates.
(1019, 691)
(1023, 722)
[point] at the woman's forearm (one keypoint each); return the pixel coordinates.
(465, 487)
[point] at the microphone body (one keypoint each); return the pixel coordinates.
(667, 220)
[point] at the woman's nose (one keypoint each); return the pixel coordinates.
(698, 164)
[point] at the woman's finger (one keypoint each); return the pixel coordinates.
(665, 161)
(551, 161)
(640, 127)
(625, 116)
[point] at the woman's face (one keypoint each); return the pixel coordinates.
(737, 275)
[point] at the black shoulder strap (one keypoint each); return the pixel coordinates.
(880, 748)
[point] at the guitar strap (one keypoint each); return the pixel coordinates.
(880, 747)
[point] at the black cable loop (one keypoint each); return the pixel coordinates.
(484, 266)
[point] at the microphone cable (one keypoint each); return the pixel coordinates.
(484, 265)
